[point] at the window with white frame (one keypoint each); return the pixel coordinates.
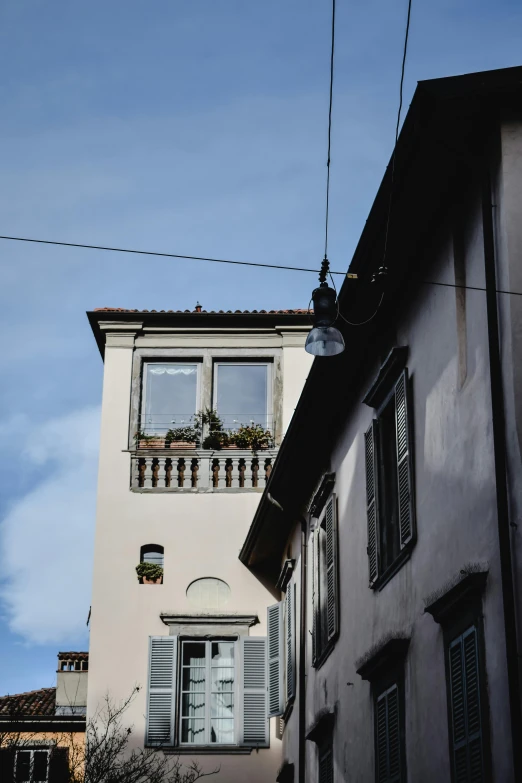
(32, 766)
(217, 696)
(243, 393)
(170, 396)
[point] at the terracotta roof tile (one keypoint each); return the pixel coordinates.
(74, 656)
(41, 702)
(298, 311)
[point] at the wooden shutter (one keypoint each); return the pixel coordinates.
(326, 764)
(254, 724)
(276, 657)
(404, 460)
(332, 590)
(161, 703)
(59, 766)
(7, 765)
(465, 709)
(372, 499)
(388, 737)
(290, 641)
(314, 569)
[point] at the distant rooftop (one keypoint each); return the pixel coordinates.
(298, 311)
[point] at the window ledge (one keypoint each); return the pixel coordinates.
(206, 750)
(396, 566)
(455, 596)
(383, 657)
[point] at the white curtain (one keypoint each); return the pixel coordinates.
(171, 370)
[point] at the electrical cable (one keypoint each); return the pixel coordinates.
(164, 255)
(332, 49)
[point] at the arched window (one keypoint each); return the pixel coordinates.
(152, 553)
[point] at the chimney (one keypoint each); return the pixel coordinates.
(198, 308)
(71, 683)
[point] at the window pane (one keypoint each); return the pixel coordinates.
(170, 396)
(193, 730)
(40, 765)
(193, 653)
(23, 766)
(194, 679)
(222, 731)
(222, 705)
(242, 394)
(193, 705)
(153, 557)
(222, 680)
(222, 653)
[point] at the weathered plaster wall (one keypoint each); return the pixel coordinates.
(71, 689)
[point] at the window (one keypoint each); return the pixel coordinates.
(324, 567)
(242, 394)
(170, 396)
(389, 734)
(220, 697)
(32, 765)
(465, 703)
(152, 553)
(208, 593)
(326, 770)
(389, 484)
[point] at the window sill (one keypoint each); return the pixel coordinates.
(206, 750)
(396, 566)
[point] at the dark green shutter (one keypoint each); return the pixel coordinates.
(404, 460)
(316, 624)
(388, 737)
(465, 709)
(7, 762)
(332, 598)
(290, 641)
(372, 506)
(326, 764)
(59, 766)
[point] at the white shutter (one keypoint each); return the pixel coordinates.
(290, 641)
(254, 722)
(275, 659)
(161, 697)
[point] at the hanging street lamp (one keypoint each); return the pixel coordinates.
(324, 339)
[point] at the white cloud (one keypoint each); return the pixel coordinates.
(46, 537)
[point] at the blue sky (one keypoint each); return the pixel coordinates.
(188, 127)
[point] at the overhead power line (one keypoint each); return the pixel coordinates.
(332, 49)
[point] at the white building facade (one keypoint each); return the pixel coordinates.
(194, 408)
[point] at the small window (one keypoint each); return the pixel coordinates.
(242, 394)
(326, 768)
(152, 553)
(208, 593)
(32, 766)
(169, 397)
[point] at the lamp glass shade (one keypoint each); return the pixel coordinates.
(324, 341)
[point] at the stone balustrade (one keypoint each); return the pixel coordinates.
(202, 470)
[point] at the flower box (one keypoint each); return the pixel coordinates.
(181, 444)
(158, 581)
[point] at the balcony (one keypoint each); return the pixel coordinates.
(202, 453)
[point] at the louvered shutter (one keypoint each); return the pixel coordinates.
(59, 766)
(290, 641)
(404, 460)
(254, 692)
(387, 737)
(161, 704)
(372, 499)
(314, 568)
(465, 710)
(276, 657)
(7, 765)
(332, 597)
(326, 765)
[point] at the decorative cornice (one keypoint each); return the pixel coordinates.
(286, 574)
(465, 592)
(285, 773)
(322, 726)
(209, 618)
(390, 370)
(323, 493)
(383, 657)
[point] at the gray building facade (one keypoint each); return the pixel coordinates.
(389, 530)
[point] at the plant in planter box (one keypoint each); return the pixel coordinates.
(217, 437)
(182, 436)
(252, 437)
(144, 441)
(150, 573)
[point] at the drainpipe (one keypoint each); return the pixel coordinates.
(302, 652)
(499, 450)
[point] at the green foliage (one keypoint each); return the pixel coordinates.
(189, 434)
(216, 440)
(146, 438)
(209, 417)
(149, 571)
(252, 437)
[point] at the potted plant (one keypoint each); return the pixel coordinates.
(217, 437)
(144, 441)
(150, 573)
(182, 437)
(253, 437)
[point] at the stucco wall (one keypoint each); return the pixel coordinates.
(201, 534)
(446, 332)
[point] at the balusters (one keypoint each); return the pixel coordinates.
(168, 471)
(194, 467)
(255, 471)
(181, 471)
(242, 470)
(226, 471)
